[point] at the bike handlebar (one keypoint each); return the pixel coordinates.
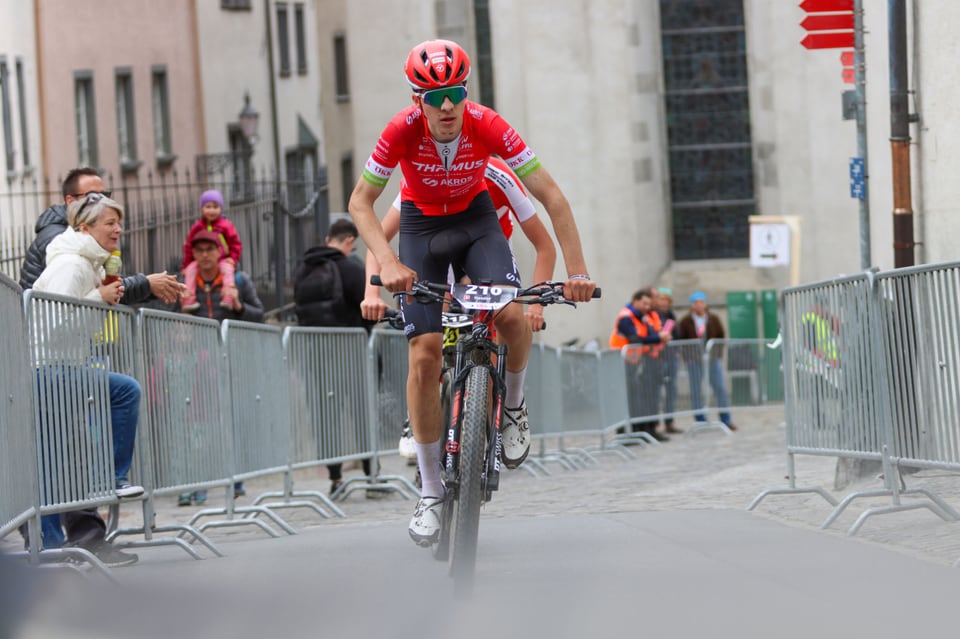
(543, 293)
(393, 317)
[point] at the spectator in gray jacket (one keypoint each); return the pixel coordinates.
(52, 222)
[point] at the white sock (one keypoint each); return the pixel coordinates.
(428, 458)
(514, 383)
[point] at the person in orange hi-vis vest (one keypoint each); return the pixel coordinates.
(639, 325)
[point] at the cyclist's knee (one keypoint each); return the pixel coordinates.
(425, 356)
(511, 324)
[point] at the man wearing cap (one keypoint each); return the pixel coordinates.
(211, 292)
(211, 289)
(701, 324)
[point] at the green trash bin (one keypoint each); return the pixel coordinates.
(742, 359)
(772, 373)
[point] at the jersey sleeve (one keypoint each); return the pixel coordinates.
(504, 180)
(385, 156)
(508, 144)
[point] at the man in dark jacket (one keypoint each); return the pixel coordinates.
(53, 221)
(321, 300)
(85, 528)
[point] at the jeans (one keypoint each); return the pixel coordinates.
(124, 416)
(695, 372)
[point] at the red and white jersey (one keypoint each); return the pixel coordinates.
(439, 187)
(507, 193)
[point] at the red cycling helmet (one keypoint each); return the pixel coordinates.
(435, 64)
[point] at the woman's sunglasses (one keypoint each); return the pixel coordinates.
(435, 97)
(91, 198)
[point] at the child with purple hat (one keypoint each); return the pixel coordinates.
(213, 221)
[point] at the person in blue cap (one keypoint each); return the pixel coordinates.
(701, 324)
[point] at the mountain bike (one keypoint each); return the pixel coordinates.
(472, 391)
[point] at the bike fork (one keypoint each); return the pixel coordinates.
(494, 440)
(452, 444)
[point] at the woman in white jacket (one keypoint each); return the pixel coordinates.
(75, 260)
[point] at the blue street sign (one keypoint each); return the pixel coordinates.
(858, 189)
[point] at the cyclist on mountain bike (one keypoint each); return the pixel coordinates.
(511, 201)
(442, 142)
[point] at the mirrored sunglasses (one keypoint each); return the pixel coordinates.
(91, 198)
(435, 97)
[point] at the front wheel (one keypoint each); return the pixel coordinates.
(465, 516)
(441, 549)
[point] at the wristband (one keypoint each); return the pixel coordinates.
(579, 276)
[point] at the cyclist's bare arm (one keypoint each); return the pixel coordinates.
(395, 276)
(373, 307)
(543, 187)
(545, 263)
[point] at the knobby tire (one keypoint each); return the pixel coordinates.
(466, 515)
(441, 549)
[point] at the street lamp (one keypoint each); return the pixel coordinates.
(249, 118)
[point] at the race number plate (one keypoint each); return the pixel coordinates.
(476, 296)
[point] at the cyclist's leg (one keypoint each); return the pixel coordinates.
(423, 404)
(422, 325)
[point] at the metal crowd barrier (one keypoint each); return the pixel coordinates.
(19, 499)
(542, 395)
(867, 360)
(256, 412)
(388, 348)
(332, 418)
(583, 401)
(387, 366)
(183, 442)
(75, 344)
(679, 380)
(752, 371)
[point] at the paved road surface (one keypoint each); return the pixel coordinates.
(659, 546)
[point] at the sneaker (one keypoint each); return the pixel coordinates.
(200, 497)
(185, 499)
(189, 307)
(113, 557)
(335, 484)
(239, 490)
(226, 302)
(407, 447)
(425, 525)
(516, 436)
(127, 491)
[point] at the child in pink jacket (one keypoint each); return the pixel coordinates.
(211, 219)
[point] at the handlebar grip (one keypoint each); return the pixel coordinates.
(375, 280)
